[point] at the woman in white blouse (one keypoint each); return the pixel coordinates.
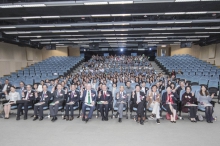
(13, 96)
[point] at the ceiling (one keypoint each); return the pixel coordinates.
(111, 24)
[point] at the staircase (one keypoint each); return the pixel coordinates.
(156, 67)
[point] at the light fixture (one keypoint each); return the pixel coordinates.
(7, 27)
(150, 49)
(165, 22)
(196, 12)
(50, 16)
(158, 29)
(120, 14)
(11, 6)
(186, 0)
(174, 13)
(102, 24)
(183, 22)
(61, 25)
(122, 49)
(71, 31)
(107, 30)
(35, 5)
(101, 15)
(96, 3)
(32, 17)
(121, 2)
(47, 26)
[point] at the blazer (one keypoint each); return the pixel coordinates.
(134, 99)
(174, 97)
(8, 87)
(150, 100)
(44, 98)
(107, 98)
(75, 98)
(123, 98)
(185, 99)
(59, 97)
(146, 89)
(93, 94)
(31, 95)
(14, 97)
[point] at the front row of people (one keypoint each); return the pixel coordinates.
(104, 101)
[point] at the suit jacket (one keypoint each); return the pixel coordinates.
(44, 98)
(123, 98)
(93, 94)
(59, 97)
(174, 97)
(75, 98)
(31, 95)
(134, 99)
(8, 87)
(108, 97)
(150, 100)
(146, 89)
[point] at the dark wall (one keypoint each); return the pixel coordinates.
(151, 54)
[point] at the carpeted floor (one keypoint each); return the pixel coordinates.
(97, 132)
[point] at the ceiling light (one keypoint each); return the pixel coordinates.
(186, 0)
(183, 22)
(174, 13)
(71, 31)
(196, 12)
(50, 16)
(63, 25)
(7, 27)
(31, 17)
(107, 30)
(101, 24)
(102, 15)
(47, 26)
(35, 5)
(163, 46)
(120, 14)
(164, 22)
(121, 2)
(23, 32)
(96, 3)
(158, 29)
(11, 6)
(212, 28)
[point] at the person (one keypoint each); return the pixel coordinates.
(169, 100)
(153, 100)
(121, 100)
(22, 88)
(43, 98)
(144, 88)
(5, 88)
(181, 87)
(12, 97)
(187, 99)
(105, 100)
(73, 97)
(58, 99)
(128, 89)
(88, 97)
(204, 100)
(28, 98)
(139, 101)
(173, 73)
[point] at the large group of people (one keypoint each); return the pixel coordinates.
(109, 83)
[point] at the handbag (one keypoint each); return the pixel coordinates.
(168, 116)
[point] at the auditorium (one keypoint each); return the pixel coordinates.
(109, 72)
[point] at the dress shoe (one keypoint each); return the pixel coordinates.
(83, 119)
(119, 120)
(32, 115)
(25, 118)
(67, 118)
(86, 120)
(103, 118)
(52, 119)
(41, 118)
(142, 122)
(106, 119)
(78, 116)
(55, 119)
(71, 118)
(18, 118)
(35, 118)
(116, 115)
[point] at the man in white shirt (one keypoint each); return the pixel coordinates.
(89, 99)
(5, 88)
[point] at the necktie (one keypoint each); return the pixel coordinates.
(72, 94)
(154, 96)
(104, 95)
(89, 97)
(28, 95)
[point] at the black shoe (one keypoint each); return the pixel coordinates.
(210, 122)
(41, 118)
(55, 119)
(119, 120)
(142, 122)
(32, 115)
(86, 120)
(83, 119)
(174, 121)
(106, 119)
(103, 118)
(158, 121)
(78, 116)
(67, 118)
(35, 118)
(116, 115)
(25, 117)
(52, 119)
(18, 118)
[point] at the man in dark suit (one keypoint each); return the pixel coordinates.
(72, 100)
(139, 101)
(5, 88)
(43, 101)
(88, 97)
(105, 100)
(144, 88)
(58, 99)
(28, 98)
